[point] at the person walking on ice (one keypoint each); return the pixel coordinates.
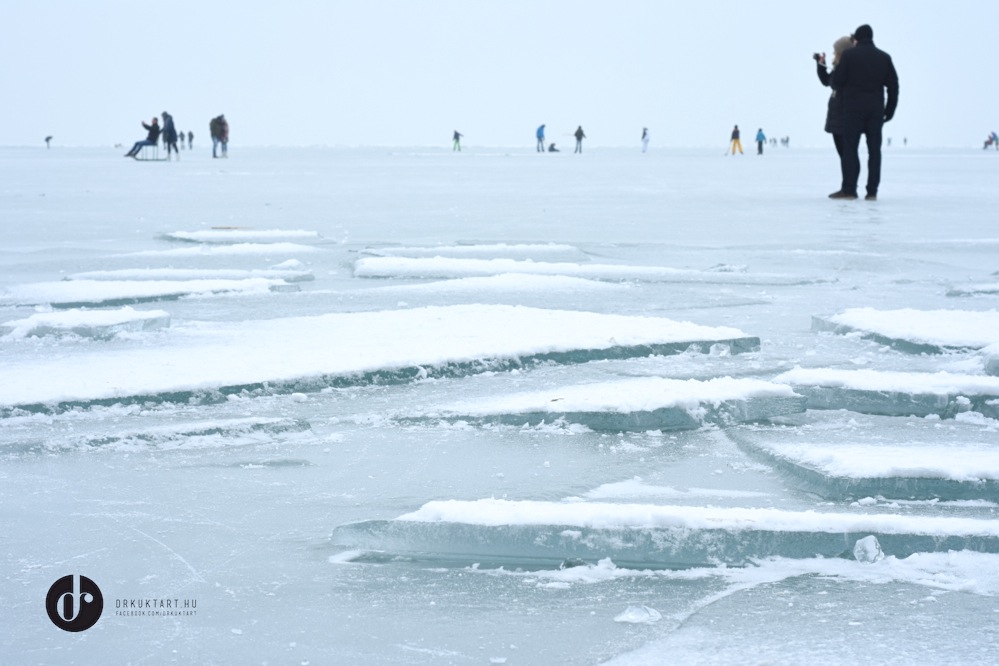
(761, 138)
(736, 143)
(645, 139)
(457, 141)
(540, 134)
(580, 135)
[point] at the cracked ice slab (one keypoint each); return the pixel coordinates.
(83, 293)
(99, 324)
(988, 288)
(454, 267)
(894, 393)
(650, 536)
(175, 274)
(839, 459)
(484, 250)
(240, 234)
(343, 349)
(639, 404)
(916, 331)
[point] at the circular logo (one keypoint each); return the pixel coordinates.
(74, 603)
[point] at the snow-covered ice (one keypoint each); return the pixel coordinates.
(278, 454)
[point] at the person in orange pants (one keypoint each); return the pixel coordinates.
(736, 143)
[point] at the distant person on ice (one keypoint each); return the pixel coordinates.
(151, 138)
(579, 139)
(834, 109)
(457, 141)
(169, 135)
(540, 134)
(552, 149)
(865, 72)
(761, 138)
(219, 129)
(190, 140)
(48, 140)
(736, 143)
(645, 139)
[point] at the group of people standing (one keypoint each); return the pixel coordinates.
(861, 75)
(219, 128)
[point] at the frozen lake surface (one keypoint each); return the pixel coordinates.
(404, 406)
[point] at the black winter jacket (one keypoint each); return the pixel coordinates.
(834, 111)
(862, 76)
(154, 132)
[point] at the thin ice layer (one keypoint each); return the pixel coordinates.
(917, 330)
(643, 535)
(451, 267)
(644, 403)
(348, 348)
(83, 293)
(894, 393)
(87, 323)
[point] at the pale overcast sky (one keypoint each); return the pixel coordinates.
(409, 72)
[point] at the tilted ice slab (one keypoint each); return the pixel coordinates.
(174, 274)
(990, 356)
(201, 434)
(240, 235)
(916, 331)
(99, 324)
(446, 267)
(859, 461)
(894, 393)
(639, 404)
(342, 349)
(975, 289)
(485, 250)
(510, 282)
(541, 533)
(84, 293)
(236, 249)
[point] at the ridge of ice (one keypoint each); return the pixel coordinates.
(887, 380)
(229, 234)
(945, 328)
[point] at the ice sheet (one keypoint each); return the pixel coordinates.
(941, 329)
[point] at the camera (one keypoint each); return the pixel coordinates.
(817, 57)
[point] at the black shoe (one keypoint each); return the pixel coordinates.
(840, 194)
(871, 197)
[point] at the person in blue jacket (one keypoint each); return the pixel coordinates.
(540, 134)
(761, 138)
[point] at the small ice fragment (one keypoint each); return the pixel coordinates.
(497, 660)
(639, 615)
(299, 397)
(868, 550)
(238, 632)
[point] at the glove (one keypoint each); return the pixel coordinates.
(889, 116)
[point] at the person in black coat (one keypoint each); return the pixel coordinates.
(864, 73)
(151, 138)
(834, 110)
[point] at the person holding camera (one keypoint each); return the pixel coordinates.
(834, 111)
(864, 73)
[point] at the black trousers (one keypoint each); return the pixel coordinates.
(868, 123)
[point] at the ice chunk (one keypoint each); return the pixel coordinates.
(974, 289)
(842, 456)
(95, 293)
(345, 349)
(916, 331)
(868, 550)
(126, 274)
(991, 359)
(639, 615)
(100, 324)
(892, 393)
(510, 282)
(240, 234)
(536, 533)
(236, 249)
(639, 404)
(484, 250)
(447, 267)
